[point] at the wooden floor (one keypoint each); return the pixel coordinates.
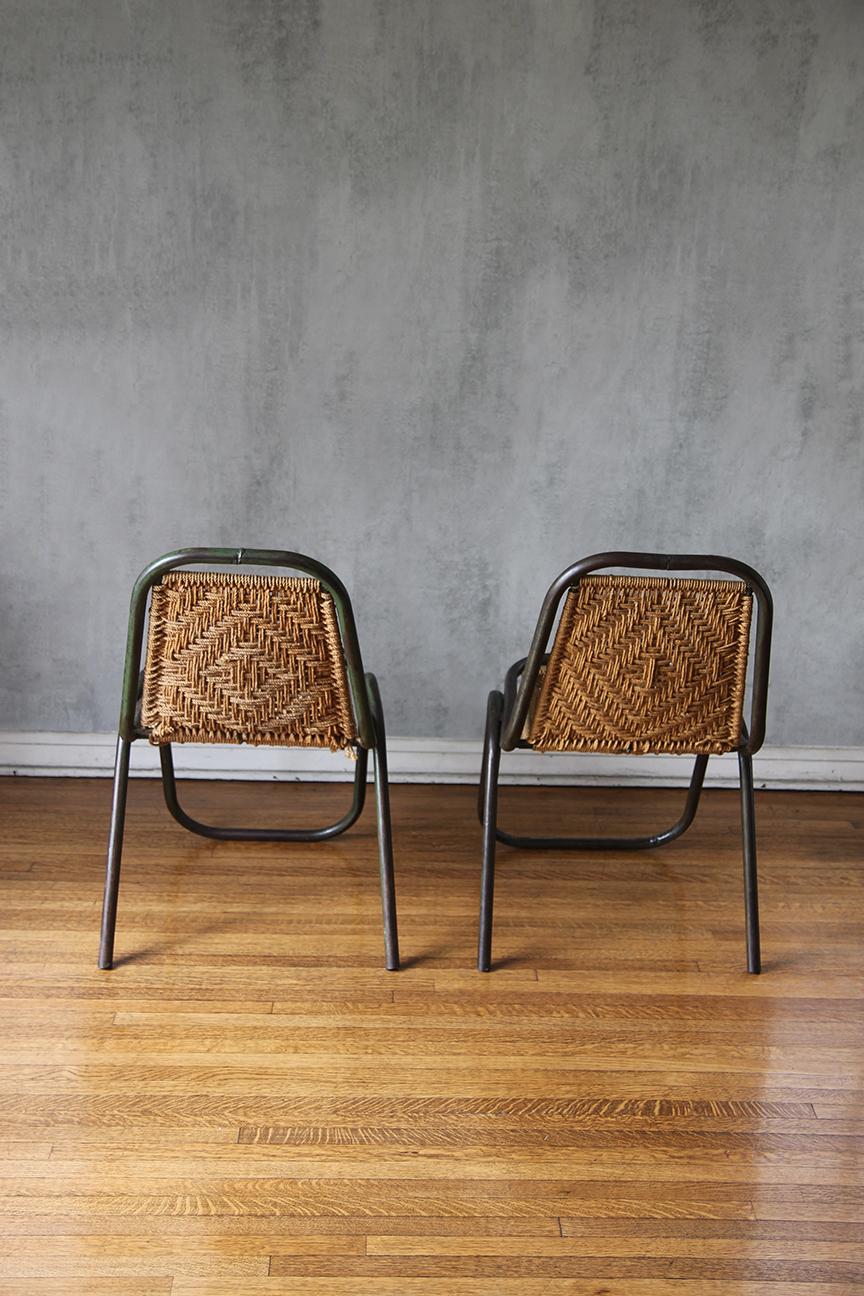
(249, 1105)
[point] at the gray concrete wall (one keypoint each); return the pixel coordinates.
(446, 292)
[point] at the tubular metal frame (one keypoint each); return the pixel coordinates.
(507, 713)
(368, 718)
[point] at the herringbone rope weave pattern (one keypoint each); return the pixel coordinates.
(646, 664)
(245, 659)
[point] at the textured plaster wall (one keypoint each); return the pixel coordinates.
(446, 292)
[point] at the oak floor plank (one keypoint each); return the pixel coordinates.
(822, 985)
(684, 1269)
(32, 1150)
(183, 1248)
(554, 1078)
(130, 1267)
(194, 1109)
(675, 1159)
(87, 1140)
(471, 1197)
(277, 1228)
(598, 1285)
(76, 1285)
(531, 1134)
(356, 1035)
(661, 1247)
(636, 1231)
(468, 1198)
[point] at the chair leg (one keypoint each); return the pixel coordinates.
(115, 850)
(385, 831)
(748, 833)
(489, 798)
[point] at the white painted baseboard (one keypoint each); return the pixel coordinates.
(428, 760)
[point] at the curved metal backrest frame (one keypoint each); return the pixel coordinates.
(754, 733)
(253, 558)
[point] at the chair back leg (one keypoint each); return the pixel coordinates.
(169, 790)
(489, 800)
(748, 834)
(613, 843)
(115, 851)
(385, 830)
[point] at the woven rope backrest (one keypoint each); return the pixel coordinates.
(645, 664)
(245, 659)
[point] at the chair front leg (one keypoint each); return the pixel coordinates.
(385, 830)
(489, 801)
(115, 851)
(748, 834)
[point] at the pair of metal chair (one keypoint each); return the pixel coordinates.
(638, 664)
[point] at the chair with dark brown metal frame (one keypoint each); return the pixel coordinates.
(638, 665)
(258, 659)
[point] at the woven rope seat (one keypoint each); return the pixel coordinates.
(646, 664)
(234, 658)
